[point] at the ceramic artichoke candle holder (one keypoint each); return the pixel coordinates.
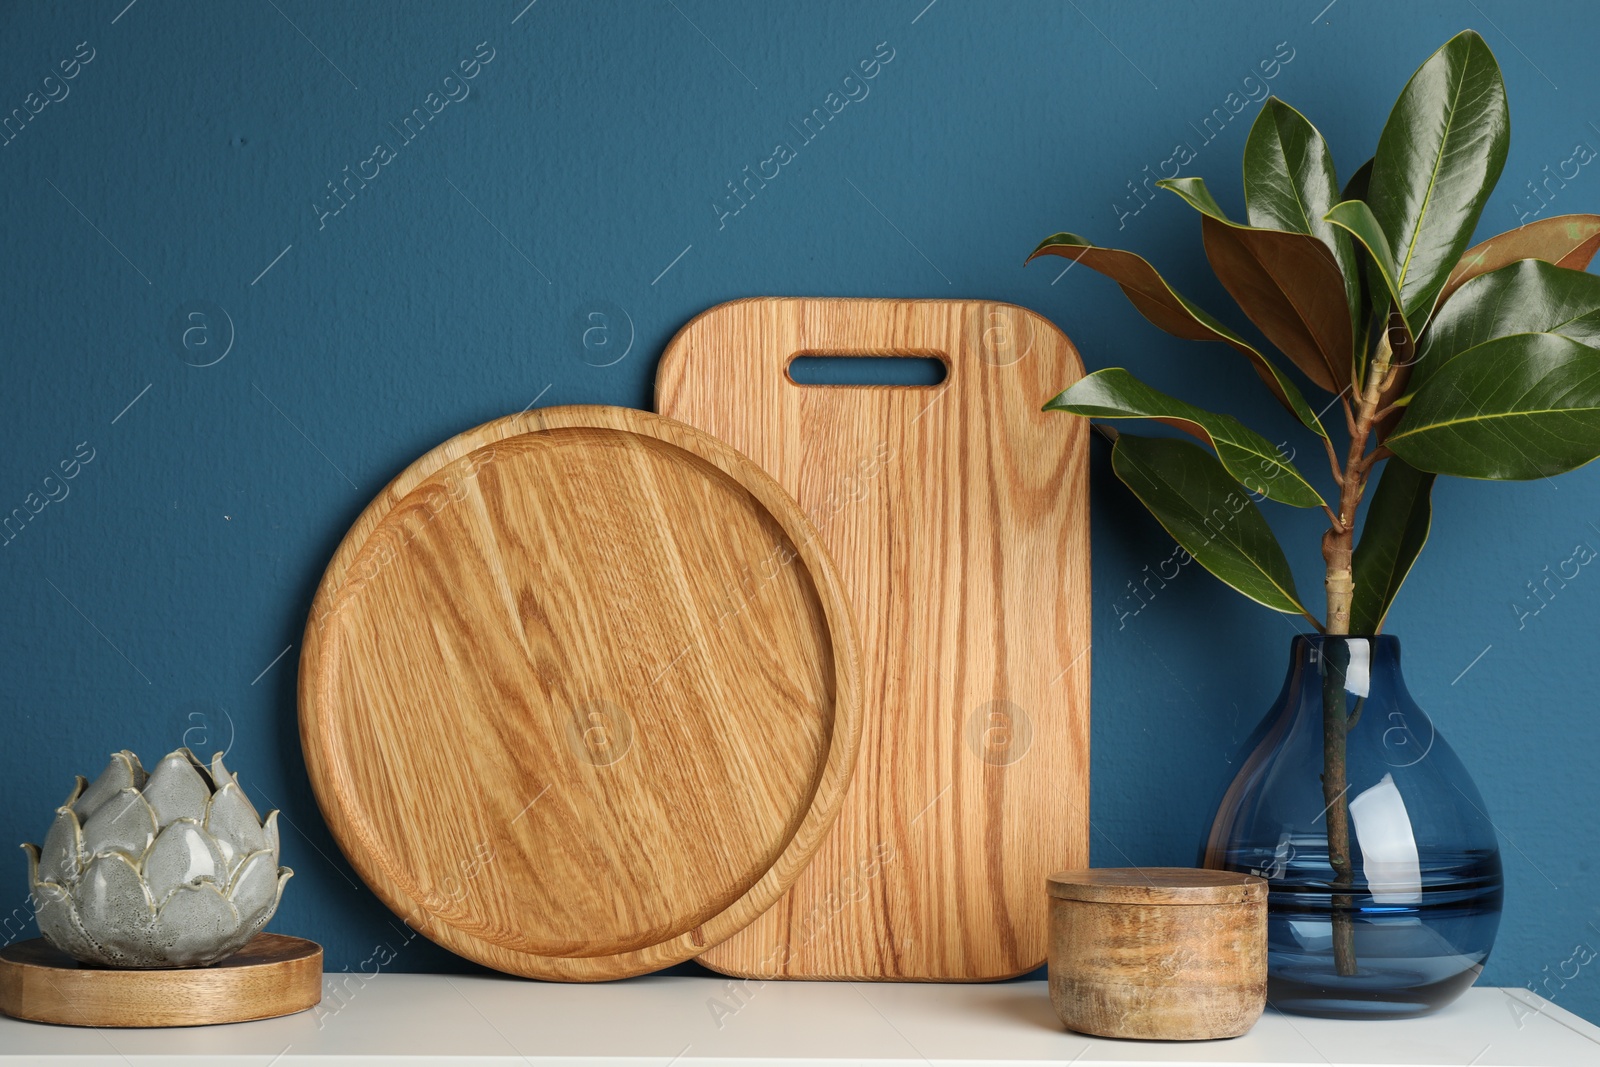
(173, 868)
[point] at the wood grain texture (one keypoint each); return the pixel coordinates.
(957, 515)
(579, 693)
(272, 975)
(1148, 957)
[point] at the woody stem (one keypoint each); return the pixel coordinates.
(1338, 550)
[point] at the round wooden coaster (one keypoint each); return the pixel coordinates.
(272, 975)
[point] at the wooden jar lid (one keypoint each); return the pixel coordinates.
(1157, 885)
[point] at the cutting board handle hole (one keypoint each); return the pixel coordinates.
(911, 369)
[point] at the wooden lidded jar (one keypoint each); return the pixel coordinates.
(1161, 953)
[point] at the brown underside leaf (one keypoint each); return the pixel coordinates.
(1566, 240)
(1157, 301)
(1290, 286)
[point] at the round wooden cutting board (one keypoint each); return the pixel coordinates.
(579, 693)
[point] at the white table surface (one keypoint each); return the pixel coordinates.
(433, 1020)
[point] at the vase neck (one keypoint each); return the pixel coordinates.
(1358, 664)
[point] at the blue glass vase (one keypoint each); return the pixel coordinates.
(1392, 912)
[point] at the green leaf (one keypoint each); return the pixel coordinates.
(1251, 459)
(1356, 217)
(1206, 512)
(1163, 306)
(1524, 406)
(1529, 296)
(1289, 180)
(1565, 240)
(1288, 283)
(1196, 195)
(1394, 532)
(1356, 188)
(1290, 184)
(1438, 159)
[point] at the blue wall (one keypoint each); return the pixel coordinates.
(190, 158)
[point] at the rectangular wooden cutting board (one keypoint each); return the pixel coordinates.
(957, 515)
